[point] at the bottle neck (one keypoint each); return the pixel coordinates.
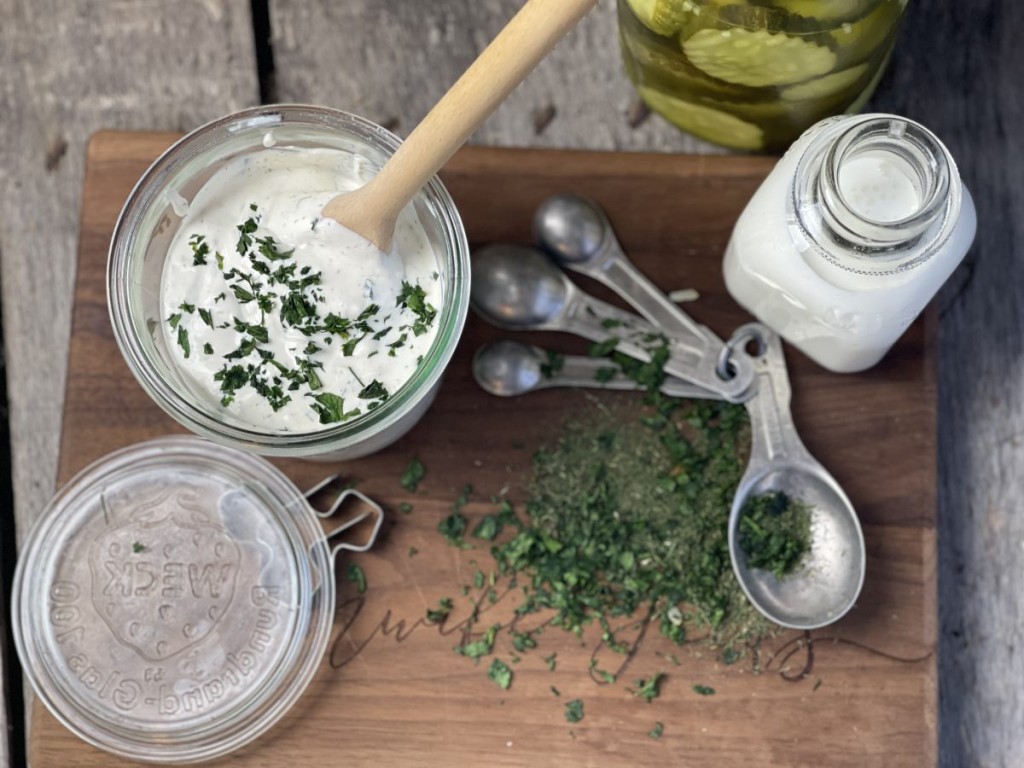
(875, 194)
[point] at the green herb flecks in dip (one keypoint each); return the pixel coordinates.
(775, 532)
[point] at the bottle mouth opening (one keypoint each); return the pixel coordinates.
(886, 181)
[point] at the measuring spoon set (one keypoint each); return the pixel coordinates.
(520, 288)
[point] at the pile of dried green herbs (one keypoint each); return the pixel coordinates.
(627, 515)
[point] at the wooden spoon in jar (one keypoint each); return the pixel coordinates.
(372, 210)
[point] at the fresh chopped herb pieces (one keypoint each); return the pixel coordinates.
(603, 348)
(354, 574)
(138, 546)
(200, 250)
(488, 528)
(481, 647)
(555, 691)
(648, 688)
(374, 391)
(245, 230)
(414, 298)
(183, 340)
(331, 408)
(775, 532)
(554, 364)
(439, 614)
(574, 711)
(500, 673)
(207, 348)
(405, 508)
(206, 316)
(173, 320)
(413, 551)
(412, 475)
(656, 732)
(453, 527)
(551, 661)
(704, 690)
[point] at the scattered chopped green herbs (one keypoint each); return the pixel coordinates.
(550, 661)
(603, 348)
(207, 348)
(481, 647)
(405, 507)
(554, 364)
(413, 551)
(648, 688)
(656, 732)
(412, 475)
(555, 691)
(439, 614)
(488, 528)
(500, 673)
(355, 574)
(704, 690)
(138, 546)
(574, 711)
(775, 532)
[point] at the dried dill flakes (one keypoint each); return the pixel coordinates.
(775, 532)
(625, 515)
(500, 673)
(656, 732)
(412, 475)
(574, 711)
(704, 690)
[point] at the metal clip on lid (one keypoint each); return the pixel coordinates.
(367, 509)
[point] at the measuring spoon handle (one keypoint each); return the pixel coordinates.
(697, 343)
(774, 437)
(579, 371)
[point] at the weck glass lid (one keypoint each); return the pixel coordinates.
(173, 600)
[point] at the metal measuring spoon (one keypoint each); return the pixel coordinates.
(508, 368)
(519, 288)
(576, 233)
(826, 584)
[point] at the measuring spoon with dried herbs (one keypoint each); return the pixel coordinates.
(783, 483)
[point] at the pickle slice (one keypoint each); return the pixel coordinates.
(663, 17)
(825, 10)
(758, 58)
(858, 40)
(825, 87)
(705, 122)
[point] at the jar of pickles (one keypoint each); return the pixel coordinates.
(754, 74)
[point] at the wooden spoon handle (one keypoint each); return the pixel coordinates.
(501, 67)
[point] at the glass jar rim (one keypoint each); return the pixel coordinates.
(451, 315)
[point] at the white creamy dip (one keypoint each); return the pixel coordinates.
(285, 320)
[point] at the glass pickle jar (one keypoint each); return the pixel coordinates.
(754, 74)
(151, 218)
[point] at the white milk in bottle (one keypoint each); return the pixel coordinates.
(850, 236)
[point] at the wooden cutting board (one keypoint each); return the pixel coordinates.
(392, 692)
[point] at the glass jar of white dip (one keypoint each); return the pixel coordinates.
(850, 236)
(141, 259)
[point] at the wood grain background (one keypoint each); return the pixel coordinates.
(69, 68)
(372, 700)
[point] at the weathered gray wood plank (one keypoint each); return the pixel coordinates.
(66, 70)
(391, 60)
(958, 72)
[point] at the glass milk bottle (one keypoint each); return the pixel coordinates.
(850, 236)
